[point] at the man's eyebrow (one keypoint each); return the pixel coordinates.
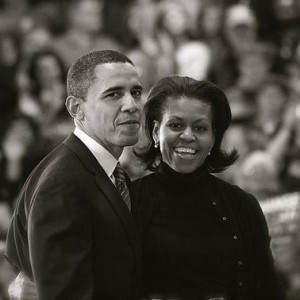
(137, 87)
(113, 89)
(120, 88)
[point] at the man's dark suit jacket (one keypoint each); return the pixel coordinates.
(72, 232)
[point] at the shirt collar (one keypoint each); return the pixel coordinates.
(107, 161)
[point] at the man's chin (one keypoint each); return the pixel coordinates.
(130, 140)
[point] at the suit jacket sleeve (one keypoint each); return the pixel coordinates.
(59, 234)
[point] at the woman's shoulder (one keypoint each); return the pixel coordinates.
(243, 205)
(235, 195)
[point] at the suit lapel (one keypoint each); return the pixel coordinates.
(106, 186)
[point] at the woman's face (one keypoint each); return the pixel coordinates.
(8, 51)
(185, 133)
(212, 19)
(48, 69)
(175, 18)
(271, 102)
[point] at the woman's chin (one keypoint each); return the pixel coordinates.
(185, 169)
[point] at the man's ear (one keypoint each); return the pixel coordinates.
(74, 106)
(155, 132)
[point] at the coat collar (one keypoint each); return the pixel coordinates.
(106, 186)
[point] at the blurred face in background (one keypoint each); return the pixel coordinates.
(286, 10)
(175, 17)
(241, 36)
(185, 133)
(142, 17)
(211, 21)
(237, 137)
(35, 39)
(240, 27)
(8, 51)
(17, 139)
(254, 69)
(271, 103)
(48, 70)
(87, 15)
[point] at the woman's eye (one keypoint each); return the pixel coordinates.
(175, 126)
(200, 128)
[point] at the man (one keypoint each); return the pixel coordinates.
(72, 232)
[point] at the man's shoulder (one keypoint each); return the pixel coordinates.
(60, 163)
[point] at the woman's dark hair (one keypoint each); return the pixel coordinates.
(173, 87)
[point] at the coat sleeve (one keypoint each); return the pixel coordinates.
(59, 236)
(266, 282)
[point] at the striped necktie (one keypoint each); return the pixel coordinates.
(121, 185)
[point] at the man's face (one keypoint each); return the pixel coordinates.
(112, 107)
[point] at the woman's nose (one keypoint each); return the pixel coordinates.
(188, 135)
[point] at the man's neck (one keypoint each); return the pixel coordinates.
(114, 151)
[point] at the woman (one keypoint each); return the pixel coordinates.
(21, 148)
(202, 237)
(43, 100)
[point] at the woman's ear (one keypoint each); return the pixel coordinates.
(74, 106)
(155, 132)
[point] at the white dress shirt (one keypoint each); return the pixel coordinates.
(106, 160)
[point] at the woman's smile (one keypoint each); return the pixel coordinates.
(185, 152)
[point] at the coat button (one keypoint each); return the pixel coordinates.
(224, 218)
(235, 237)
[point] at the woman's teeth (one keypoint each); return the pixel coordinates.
(185, 151)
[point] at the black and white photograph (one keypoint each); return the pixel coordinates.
(149, 150)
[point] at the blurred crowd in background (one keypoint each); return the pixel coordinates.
(251, 49)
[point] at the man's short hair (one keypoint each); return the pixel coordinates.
(81, 73)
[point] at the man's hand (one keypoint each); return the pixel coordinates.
(22, 288)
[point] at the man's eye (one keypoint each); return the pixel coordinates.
(114, 95)
(136, 93)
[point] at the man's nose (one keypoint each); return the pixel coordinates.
(130, 104)
(187, 135)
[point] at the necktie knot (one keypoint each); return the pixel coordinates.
(120, 178)
(119, 173)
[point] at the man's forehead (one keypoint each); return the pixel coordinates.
(116, 71)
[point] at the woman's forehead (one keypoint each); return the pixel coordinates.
(187, 107)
